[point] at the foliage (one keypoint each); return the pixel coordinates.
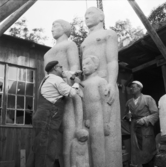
(79, 31)
(126, 33)
(20, 29)
(158, 15)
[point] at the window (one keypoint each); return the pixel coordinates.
(19, 94)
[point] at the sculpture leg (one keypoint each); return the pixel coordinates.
(97, 145)
(68, 131)
(113, 142)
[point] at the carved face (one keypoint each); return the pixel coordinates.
(89, 66)
(57, 30)
(92, 17)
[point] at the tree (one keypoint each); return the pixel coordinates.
(126, 33)
(79, 31)
(158, 16)
(20, 29)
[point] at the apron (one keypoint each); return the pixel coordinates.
(143, 146)
(46, 123)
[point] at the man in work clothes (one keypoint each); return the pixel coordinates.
(143, 113)
(48, 117)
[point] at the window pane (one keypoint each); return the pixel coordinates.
(21, 74)
(2, 70)
(21, 88)
(12, 87)
(12, 73)
(28, 117)
(10, 116)
(20, 102)
(29, 103)
(30, 75)
(11, 101)
(1, 85)
(19, 117)
(29, 89)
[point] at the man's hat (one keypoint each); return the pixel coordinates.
(138, 83)
(50, 65)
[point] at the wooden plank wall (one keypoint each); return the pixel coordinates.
(22, 53)
(12, 140)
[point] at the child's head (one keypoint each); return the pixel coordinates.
(82, 135)
(90, 64)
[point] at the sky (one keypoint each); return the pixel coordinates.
(44, 12)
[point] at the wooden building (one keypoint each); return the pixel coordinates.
(21, 70)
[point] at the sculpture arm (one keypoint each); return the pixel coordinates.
(112, 64)
(73, 57)
(73, 154)
(78, 111)
(106, 109)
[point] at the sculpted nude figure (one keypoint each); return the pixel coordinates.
(79, 149)
(103, 44)
(66, 53)
(96, 115)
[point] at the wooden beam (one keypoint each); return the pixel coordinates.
(161, 62)
(164, 75)
(143, 66)
(15, 16)
(149, 47)
(7, 7)
(149, 28)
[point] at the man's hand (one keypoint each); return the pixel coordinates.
(110, 91)
(128, 116)
(77, 80)
(141, 121)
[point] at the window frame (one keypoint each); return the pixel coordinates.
(5, 95)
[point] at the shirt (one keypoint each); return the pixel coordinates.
(55, 88)
(136, 100)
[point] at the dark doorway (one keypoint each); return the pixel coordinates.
(153, 83)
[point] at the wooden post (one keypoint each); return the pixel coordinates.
(149, 28)
(7, 23)
(164, 75)
(7, 7)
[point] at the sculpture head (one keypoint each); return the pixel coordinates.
(60, 27)
(90, 65)
(93, 17)
(82, 135)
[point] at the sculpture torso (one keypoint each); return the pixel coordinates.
(59, 53)
(95, 44)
